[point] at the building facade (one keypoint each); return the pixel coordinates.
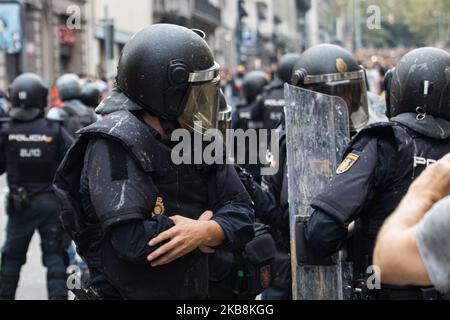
(126, 17)
(54, 39)
(272, 28)
(69, 35)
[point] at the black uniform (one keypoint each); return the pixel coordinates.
(271, 204)
(272, 104)
(74, 114)
(272, 208)
(380, 165)
(31, 153)
(248, 117)
(129, 188)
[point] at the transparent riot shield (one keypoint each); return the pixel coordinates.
(377, 108)
(317, 128)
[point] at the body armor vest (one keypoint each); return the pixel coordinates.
(414, 152)
(181, 190)
(31, 153)
(272, 106)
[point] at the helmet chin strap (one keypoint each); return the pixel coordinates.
(169, 126)
(422, 111)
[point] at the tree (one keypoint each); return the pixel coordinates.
(403, 22)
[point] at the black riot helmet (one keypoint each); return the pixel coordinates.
(90, 95)
(28, 96)
(69, 87)
(332, 70)
(170, 72)
(420, 84)
(253, 85)
(286, 65)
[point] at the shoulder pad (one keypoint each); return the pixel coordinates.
(275, 84)
(60, 122)
(136, 138)
(376, 130)
(4, 122)
(55, 124)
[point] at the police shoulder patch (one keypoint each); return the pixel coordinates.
(160, 208)
(348, 163)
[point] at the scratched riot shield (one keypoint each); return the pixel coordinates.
(377, 108)
(318, 130)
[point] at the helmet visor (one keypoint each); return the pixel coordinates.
(225, 117)
(351, 87)
(202, 106)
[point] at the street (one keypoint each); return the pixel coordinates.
(32, 280)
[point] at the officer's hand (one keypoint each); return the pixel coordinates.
(434, 184)
(351, 229)
(187, 235)
(206, 216)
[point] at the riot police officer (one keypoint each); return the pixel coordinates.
(140, 221)
(272, 99)
(90, 95)
(380, 164)
(248, 116)
(32, 148)
(73, 112)
(246, 272)
(272, 200)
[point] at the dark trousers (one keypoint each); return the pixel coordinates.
(277, 294)
(42, 215)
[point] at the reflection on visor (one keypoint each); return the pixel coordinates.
(205, 75)
(202, 106)
(354, 93)
(225, 118)
(226, 115)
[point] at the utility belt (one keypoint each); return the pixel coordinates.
(251, 272)
(427, 294)
(361, 291)
(17, 201)
(20, 199)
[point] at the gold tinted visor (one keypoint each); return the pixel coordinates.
(202, 106)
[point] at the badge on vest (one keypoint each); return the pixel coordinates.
(348, 163)
(159, 209)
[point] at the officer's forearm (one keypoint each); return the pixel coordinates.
(267, 209)
(215, 236)
(236, 220)
(325, 235)
(137, 235)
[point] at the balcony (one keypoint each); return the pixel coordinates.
(208, 12)
(179, 8)
(187, 10)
